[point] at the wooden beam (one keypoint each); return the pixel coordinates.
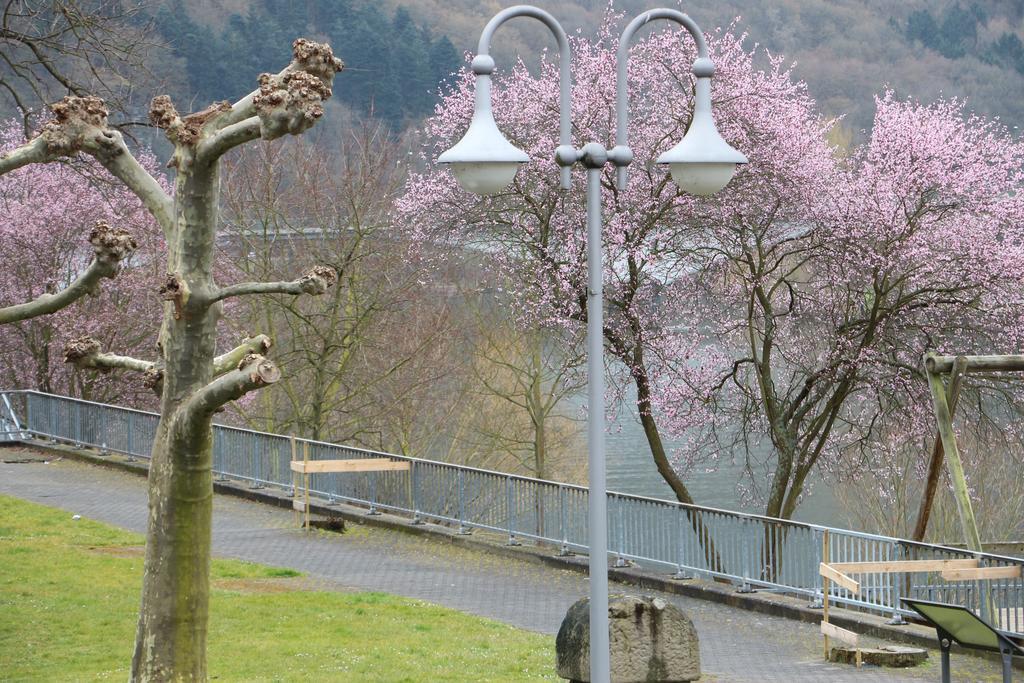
(931, 481)
(359, 465)
(902, 566)
(832, 631)
(1001, 363)
(954, 465)
(1012, 572)
(843, 580)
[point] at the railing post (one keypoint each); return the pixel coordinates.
(53, 420)
(817, 602)
(563, 551)
(104, 427)
(373, 511)
(897, 618)
(745, 563)
(76, 425)
(257, 464)
(218, 454)
(617, 517)
(510, 509)
(463, 529)
(131, 437)
(416, 519)
(28, 414)
(681, 574)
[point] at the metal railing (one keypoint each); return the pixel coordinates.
(750, 550)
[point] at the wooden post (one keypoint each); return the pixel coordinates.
(935, 464)
(825, 589)
(295, 480)
(953, 463)
(305, 478)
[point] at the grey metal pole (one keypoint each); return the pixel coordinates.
(483, 68)
(702, 69)
(594, 157)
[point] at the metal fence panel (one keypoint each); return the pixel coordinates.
(751, 550)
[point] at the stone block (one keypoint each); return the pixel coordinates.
(894, 656)
(650, 640)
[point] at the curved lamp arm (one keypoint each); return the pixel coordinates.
(483, 67)
(703, 69)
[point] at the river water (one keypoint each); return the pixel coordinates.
(631, 470)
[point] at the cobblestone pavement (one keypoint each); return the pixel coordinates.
(736, 645)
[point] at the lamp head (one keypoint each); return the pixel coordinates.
(702, 163)
(484, 161)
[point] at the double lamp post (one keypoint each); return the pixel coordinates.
(485, 162)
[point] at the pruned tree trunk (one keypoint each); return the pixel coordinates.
(194, 382)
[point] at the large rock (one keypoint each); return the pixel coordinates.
(650, 640)
(890, 655)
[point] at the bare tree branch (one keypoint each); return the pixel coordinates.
(253, 372)
(80, 125)
(227, 361)
(111, 151)
(111, 247)
(315, 59)
(316, 281)
(84, 352)
(32, 152)
(229, 137)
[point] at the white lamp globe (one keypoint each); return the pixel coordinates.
(702, 179)
(484, 177)
(484, 161)
(702, 163)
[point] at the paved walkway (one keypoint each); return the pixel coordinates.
(735, 645)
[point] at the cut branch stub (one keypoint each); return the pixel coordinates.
(80, 349)
(174, 289)
(112, 245)
(183, 130)
(317, 59)
(154, 379)
(76, 122)
(292, 101)
(261, 370)
(289, 104)
(162, 113)
(318, 280)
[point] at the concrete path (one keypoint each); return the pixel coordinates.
(735, 645)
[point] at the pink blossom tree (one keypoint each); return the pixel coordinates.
(780, 322)
(51, 286)
(820, 325)
(193, 380)
(536, 231)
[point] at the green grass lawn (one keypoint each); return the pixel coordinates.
(69, 594)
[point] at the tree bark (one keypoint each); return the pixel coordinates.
(647, 421)
(170, 642)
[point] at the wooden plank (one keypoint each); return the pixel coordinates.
(832, 631)
(842, 579)
(902, 566)
(982, 573)
(361, 465)
(299, 505)
(1004, 363)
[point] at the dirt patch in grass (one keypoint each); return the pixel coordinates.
(285, 585)
(119, 550)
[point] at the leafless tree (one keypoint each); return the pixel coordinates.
(194, 380)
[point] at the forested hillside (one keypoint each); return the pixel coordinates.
(394, 65)
(847, 50)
